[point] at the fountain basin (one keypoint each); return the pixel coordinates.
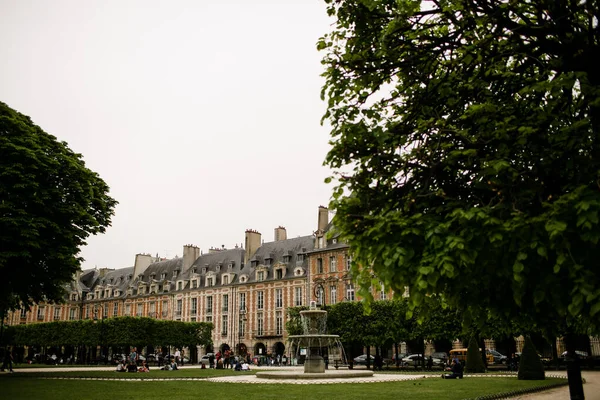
(329, 374)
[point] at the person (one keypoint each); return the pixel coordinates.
(211, 360)
(54, 358)
(284, 360)
(144, 367)
(457, 371)
(177, 356)
(121, 366)
(245, 366)
(238, 366)
(429, 363)
(8, 361)
(133, 357)
(173, 365)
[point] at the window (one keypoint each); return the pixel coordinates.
(179, 285)
(279, 323)
(268, 261)
(320, 296)
(298, 296)
(224, 325)
(178, 308)
(209, 318)
(382, 293)
(332, 264)
(209, 305)
(286, 258)
(350, 292)
(279, 274)
(72, 313)
(242, 301)
(225, 305)
(57, 312)
(116, 309)
(260, 324)
(194, 306)
(242, 326)
(74, 296)
(165, 308)
(40, 313)
(209, 281)
(300, 257)
(279, 298)
(194, 284)
(225, 279)
(175, 274)
(87, 313)
(105, 311)
(332, 294)
(23, 313)
(153, 309)
(163, 276)
(260, 276)
(260, 297)
(127, 309)
(319, 265)
(348, 263)
(140, 310)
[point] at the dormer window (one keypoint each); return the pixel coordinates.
(209, 281)
(129, 277)
(152, 276)
(179, 285)
(218, 268)
(279, 273)
(194, 270)
(268, 260)
(300, 257)
(204, 270)
(163, 276)
(74, 296)
(175, 274)
(243, 278)
(287, 258)
(254, 263)
(225, 279)
(260, 276)
(230, 266)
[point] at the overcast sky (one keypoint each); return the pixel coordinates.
(202, 116)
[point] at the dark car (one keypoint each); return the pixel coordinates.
(362, 360)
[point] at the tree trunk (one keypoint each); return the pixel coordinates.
(368, 357)
(573, 369)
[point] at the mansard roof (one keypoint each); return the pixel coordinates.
(276, 250)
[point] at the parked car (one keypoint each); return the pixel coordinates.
(498, 357)
(205, 359)
(417, 359)
(441, 355)
(362, 360)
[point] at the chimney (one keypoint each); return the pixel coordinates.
(190, 254)
(142, 262)
(323, 218)
(252, 243)
(280, 233)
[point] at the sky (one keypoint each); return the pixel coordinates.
(203, 116)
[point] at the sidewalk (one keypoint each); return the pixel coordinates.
(591, 388)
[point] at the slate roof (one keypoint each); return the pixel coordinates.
(275, 251)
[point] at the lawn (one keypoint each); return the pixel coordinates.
(30, 386)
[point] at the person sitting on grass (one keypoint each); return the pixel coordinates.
(121, 367)
(245, 366)
(144, 367)
(457, 371)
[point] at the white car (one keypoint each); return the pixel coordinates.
(417, 359)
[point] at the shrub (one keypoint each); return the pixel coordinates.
(474, 361)
(530, 365)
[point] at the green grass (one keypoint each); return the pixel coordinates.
(154, 373)
(29, 386)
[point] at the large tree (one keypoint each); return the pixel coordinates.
(466, 149)
(49, 204)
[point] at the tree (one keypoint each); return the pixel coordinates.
(466, 152)
(49, 204)
(474, 360)
(530, 366)
(472, 132)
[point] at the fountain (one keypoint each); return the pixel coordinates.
(321, 351)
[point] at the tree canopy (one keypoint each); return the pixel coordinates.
(50, 202)
(466, 153)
